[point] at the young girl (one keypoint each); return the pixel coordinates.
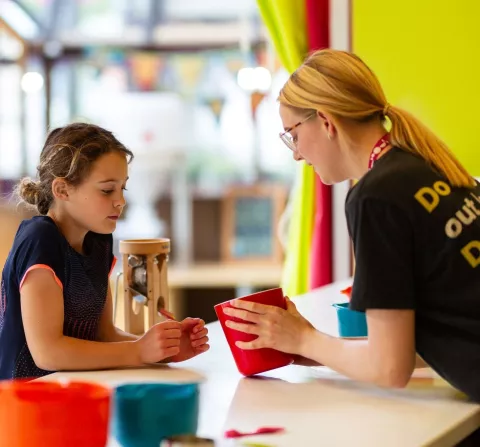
(56, 304)
(414, 217)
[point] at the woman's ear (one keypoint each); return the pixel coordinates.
(327, 124)
(60, 189)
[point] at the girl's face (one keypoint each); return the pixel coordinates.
(97, 203)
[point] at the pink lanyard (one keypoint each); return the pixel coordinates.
(382, 143)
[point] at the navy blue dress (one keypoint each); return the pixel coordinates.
(83, 279)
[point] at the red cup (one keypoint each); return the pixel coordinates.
(254, 361)
(52, 414)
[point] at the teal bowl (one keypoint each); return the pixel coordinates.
(145, 414)
(350, 322)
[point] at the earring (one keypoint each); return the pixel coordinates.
(329, 137)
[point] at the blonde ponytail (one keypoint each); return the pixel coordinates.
(342, 85)
(409, 134)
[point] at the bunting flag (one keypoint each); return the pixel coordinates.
(145, 69)
(189, 69)
(216, 106)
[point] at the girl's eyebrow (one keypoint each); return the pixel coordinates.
(113, 180)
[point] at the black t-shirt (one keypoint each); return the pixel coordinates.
(83, 279)
(417, 246)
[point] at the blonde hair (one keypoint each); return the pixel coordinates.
(341, 84)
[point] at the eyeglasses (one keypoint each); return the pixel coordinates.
(287, 137)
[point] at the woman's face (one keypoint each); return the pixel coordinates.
(316, 142)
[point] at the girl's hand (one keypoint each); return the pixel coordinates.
(193, 341)
(160, 342)
(284, 330)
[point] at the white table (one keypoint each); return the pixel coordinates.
(315, 405)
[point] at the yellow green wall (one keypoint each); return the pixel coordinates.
(426, 54)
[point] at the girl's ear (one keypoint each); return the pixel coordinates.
(60, 189)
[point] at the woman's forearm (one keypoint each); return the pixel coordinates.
(352, 358)
(303, 361)
(419, 362)
(68, 353)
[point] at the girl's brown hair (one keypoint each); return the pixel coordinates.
(69, 153)
(341, 84)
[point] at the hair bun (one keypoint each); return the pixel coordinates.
(29, 191)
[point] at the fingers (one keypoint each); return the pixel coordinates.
(251, 306)
(201, 349)
(200, 342)
(190, 321)
(199, 327)
(291, 307)
(194, 326)
(167, 330)
(169, 347)
(171, 333)
(169, 324)
(169, 343)
(242, 314)
(248, 345)
(170, 352)
(198, 335)
(243, 327)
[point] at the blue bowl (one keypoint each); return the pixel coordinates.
(350, 322)
(145, 414)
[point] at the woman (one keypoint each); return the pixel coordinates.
(414, 217)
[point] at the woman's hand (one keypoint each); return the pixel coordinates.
(193, 341)
(284, 330)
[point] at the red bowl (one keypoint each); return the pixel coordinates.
(254, 361)
(75, 414)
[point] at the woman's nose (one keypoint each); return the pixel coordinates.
(297, 156)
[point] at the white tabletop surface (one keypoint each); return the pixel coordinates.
(315, 405)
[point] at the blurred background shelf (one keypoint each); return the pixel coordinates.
(211, 275)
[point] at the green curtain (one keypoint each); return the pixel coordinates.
(285, 20)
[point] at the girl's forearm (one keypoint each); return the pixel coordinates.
(119, 335)
(68, 353)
